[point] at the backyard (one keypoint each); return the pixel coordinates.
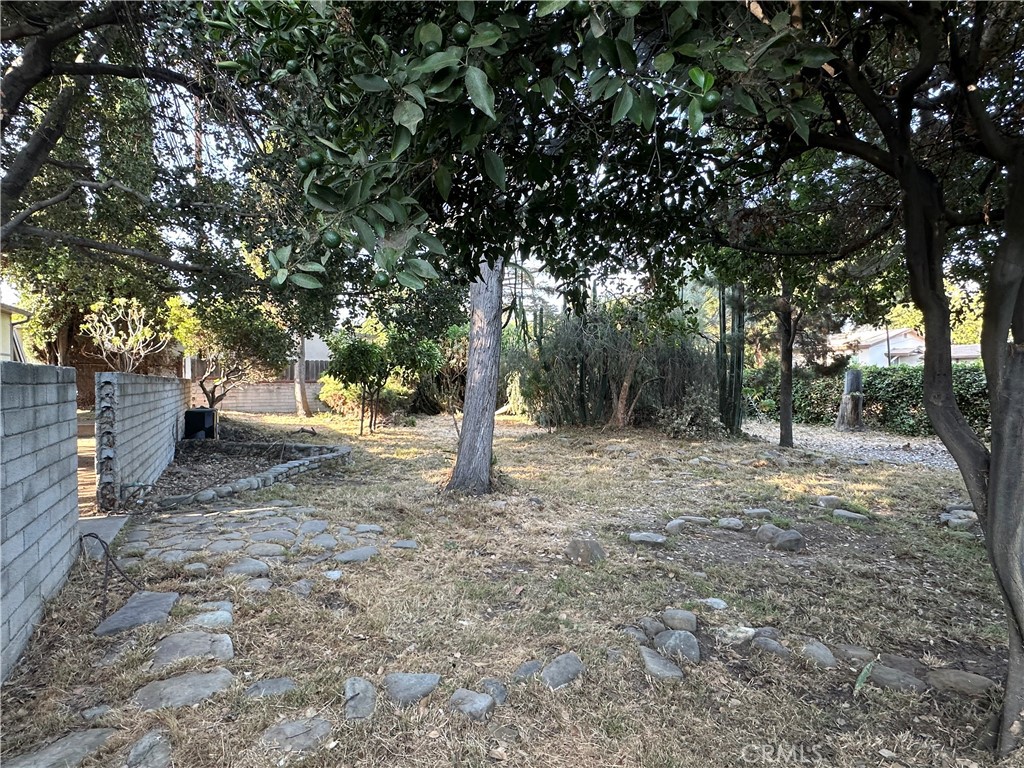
(488, 587)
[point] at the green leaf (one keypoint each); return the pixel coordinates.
(800, 125)
(743, 100)
(690, 6)
(432, 243)
(485, 37)
(431, 33)
(443, 181)
(781, 21)
(231, 66)
(627, 56)
(312, 266)
(371, 83)
(480, 92)
(409, 114)
(663, 62)
(596, 26)
(304, 281)
(815, 56)
(320, 7)
(467, 9)
(367, 236)
(649, 108)
(421, 268)
(384, 212)
(416, 92)
(733, 63)
(547, 89)
(547, 7)
(275, 262)
(623, 103)
(862, 678)
(697, 76)
(280, 277)
(403, 138)
(331, 144)
(494, 167)
(409, 280)
(320, 204)
(695, 115)
(440, 60)
(626, 8)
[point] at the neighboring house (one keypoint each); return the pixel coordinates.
(888, 346)
(11, 347)
(966, 353)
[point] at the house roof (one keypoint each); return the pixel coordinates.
(966, 351)
(13, 310)
(863, 337)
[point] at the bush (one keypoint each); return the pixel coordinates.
(893, 397)
(344, 398)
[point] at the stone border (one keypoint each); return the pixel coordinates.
(312, 456)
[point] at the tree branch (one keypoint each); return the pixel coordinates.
(162, 74)
(135, 253)
(10, 226)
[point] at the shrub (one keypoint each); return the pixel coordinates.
(893, 397)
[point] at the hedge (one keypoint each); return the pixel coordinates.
(893, 397)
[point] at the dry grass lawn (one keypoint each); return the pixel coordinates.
(489, 588)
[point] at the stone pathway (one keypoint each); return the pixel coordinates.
(260, 544)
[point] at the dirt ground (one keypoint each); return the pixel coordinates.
(489, 588)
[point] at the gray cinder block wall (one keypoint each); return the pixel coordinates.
(139, 421)
(262, 397)
(38, 496)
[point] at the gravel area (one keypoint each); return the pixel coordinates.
(867, 445)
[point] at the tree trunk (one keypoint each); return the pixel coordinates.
(63, 344)
(729, 355)
(621, 409)
(788, 325)
(301, 396)
(472, 473)
(362, 408)
(851, 409)
(994, 480)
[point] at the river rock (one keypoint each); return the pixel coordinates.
(895, 679)
(70, 750)
(678, 644)
(360, 698)
(406, 688)
(151, 751)
(658, 666)
(675, 618)
(647, 537)
(248, 566)
(475, 706)
(303, 735)
(562, 670)
(818, 654)
(274, 686)
(183, 690)
(585, 552)
(192, 645)
(967, 683)
(141, 608)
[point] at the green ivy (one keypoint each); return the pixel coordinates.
(893, 397)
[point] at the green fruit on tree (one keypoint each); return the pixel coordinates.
(380, 279)
(330, 238)
(461, 33)
(315, 158)
(580, 8)
(293, 66)
(710, 101)
(303, 165)
(431, 47)
(333, 127)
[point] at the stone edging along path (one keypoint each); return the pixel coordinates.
(308, 457)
